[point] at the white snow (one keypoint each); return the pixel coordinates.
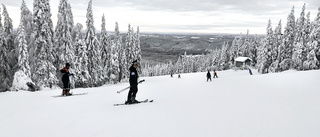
(234, 105)
(20, 81)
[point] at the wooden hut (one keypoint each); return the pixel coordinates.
(243, 61)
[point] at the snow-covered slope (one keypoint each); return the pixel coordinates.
(235, 104)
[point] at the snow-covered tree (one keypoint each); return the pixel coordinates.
(9, 40)
(43, 71)
(129, 47)
(253, 51)
(300, 50)
(233, 52)
(114, 64)
(26, 19)
(138, 53)
(82, 76)
(4, 66)
(224, 58)
(94, 50)
(275, 57)
(244, 49)
(105, 41)
(264, 54)
(311, 62)
(23, 60)
(23, 75)
(315, 36)
(179, 65)
(288, 42)
(7, 25)
(121, 54)
(64, 46)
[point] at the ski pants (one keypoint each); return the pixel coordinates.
(132, 92)
(208, 79)
(66, 84)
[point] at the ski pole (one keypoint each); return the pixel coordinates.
(129, 87)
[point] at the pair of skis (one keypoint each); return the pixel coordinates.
(144, 101)
(73, 94)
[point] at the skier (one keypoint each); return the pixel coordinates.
(208, 76)
(133, 84)
(66, 80)
(250, 72)
(215, 74)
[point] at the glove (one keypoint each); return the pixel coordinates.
(71, 74)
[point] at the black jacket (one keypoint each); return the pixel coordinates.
(133, 76)
(208, 75)
(65, 77)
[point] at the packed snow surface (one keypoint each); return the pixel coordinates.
(234, 105)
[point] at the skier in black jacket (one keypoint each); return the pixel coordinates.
(66, 80)
(133, 83)
(208, 76)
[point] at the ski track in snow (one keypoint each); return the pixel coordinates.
(234, 105)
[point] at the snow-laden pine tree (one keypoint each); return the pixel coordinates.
(114, 64)
(238, 42)
(316, 35)
(4, 66)
(121, 54)
(82, 76)
(300, 50)
(137, 49)
(253, 50)
(43, 72)
(233, 52)
(9, 42)
(275, 56)
(7, 28)
(224, 58)
(26, 19)
(23, 75)
(311, 62)
(179, 65)
(313, 56)
(105, 42)
(63, 42)
(264, 52)
(94, 50)
(129, 47)
(245, 48)
(288, 42)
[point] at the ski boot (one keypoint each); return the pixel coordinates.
(68, 92)
(64, 92)
(134, 101)
(128, 102)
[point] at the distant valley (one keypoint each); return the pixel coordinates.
(161, 48)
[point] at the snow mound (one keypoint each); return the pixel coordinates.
(20, 81)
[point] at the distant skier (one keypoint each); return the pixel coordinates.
(66, 80)
(179, 76)
(208, 76)
(215, 74)
(133, 84)
(250, 72)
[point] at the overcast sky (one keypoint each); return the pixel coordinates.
(180, 16)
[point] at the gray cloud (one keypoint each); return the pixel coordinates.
(211, 14)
